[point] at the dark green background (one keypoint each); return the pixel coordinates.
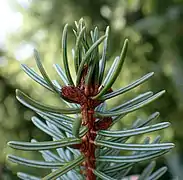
(155, 31)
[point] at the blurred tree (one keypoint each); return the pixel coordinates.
(155, 30)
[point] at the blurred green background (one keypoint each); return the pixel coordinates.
(155, 31)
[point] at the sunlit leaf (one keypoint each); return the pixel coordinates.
(134, 132)
(128, 87)
(42, 70)
(147, 171)
(132, 108)
(86, 57)
(65, 60)
(135, 147)
(156, 175)
(59, 172)
(24, 98)
(104, 56)
(34, 146)
(36, 77)
(25, 176)
(33, 163)
(132, 158)
(116, 72)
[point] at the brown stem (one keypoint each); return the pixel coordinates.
(81, 95)
(88, 146)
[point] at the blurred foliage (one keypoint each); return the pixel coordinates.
(155, 30)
